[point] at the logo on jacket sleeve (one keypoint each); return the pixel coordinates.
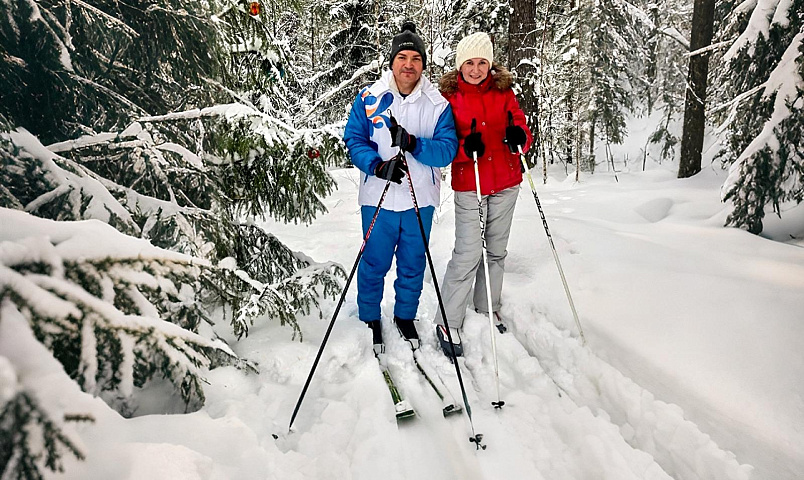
(376, 108)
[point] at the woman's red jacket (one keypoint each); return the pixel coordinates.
(488, 103)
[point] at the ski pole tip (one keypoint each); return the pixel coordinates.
(476, 440)
(498, 405)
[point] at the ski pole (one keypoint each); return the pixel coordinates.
(499, 403)
(474, 438)
(340, 303)
(549, 237)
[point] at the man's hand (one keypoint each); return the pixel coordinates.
(401, 138)
(393, 170)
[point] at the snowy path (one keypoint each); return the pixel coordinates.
(605, 411)
(600, 426)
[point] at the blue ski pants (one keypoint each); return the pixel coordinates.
(394, 234)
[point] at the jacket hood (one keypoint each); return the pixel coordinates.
(502, 79)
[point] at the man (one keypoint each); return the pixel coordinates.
(425, 134)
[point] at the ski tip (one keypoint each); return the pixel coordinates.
(404, 410)
(406, 414)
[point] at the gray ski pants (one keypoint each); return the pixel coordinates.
(466, 266)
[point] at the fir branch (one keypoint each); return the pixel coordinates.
(20, 453)
(373, 66)
(110, 19)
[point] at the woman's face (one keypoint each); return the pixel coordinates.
(475, 70)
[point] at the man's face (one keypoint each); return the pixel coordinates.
(407, 68)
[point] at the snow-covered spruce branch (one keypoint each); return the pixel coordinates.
(669, 31)
(710, 48)
(29, 435)
(51, 24)
(108, 91)
(289, 297)
(106, 350)
(374, 65)
(69, 193)
(673, 33)
(101, 317)
(108, 18)
(734, 103)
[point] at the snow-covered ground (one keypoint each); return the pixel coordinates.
(692, 368)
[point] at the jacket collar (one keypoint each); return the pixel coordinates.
(482, 87)
(386, 83)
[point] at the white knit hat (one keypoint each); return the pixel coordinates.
(476, 45)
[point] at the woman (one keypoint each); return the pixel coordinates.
(491, 126)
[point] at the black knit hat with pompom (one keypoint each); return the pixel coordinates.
(407, 39)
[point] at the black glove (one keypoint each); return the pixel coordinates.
(515, 137)
(401, 138)
(393, 170)
(473, 144)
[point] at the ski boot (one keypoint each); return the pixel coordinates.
(376, 331)
(449, 347)
(408, 330)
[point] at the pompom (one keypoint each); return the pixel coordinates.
(408, 25)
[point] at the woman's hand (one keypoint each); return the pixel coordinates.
(515, 138)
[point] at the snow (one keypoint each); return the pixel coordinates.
(692, 368)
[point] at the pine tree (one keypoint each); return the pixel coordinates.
(188, 181)
(564, 81)
(663, 83)
(615, 39)
(764, 144)
(77, 67)
(347, 50)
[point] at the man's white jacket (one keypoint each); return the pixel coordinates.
(423, 113)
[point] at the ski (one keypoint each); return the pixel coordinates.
(449, 405)
(402, 408)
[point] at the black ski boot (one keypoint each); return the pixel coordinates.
(446, 345)
(376, 331)
(408, 330)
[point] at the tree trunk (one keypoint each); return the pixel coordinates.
(523, 42)
(694, 114)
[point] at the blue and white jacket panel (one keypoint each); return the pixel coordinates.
(425, 114)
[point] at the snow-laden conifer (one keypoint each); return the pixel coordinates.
(763, 112)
